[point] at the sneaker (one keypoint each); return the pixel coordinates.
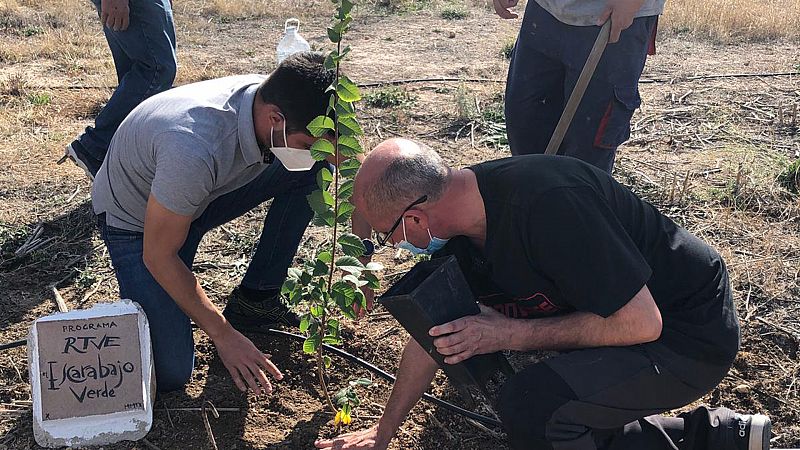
(752, 432)
(247, 314)
(78, 154)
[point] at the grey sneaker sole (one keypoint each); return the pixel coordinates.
(69, 153)
(760, 432)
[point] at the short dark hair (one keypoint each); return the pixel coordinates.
(299, 88)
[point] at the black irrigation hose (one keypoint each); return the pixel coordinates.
(13, 344)
(488, 421)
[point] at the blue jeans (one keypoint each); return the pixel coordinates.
(170, 327)
(145, 60)
(545, 64)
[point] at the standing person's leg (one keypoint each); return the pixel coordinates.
(535, 84)
(555, 405)
(602, 120)
(170, 327)
(146, 63)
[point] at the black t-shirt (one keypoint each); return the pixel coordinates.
(563, 236)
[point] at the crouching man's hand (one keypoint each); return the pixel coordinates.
(368, 439)
(472, 335)
(246, 364)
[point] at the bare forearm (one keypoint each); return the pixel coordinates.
(179, 282)
(414, 376)
(571, 331)
(636, 322)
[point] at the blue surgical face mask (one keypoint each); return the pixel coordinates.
(435, 244)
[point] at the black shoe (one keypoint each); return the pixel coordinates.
(257, 315)
(76, 152)
(751, 432)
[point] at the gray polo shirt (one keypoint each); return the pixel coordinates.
(186, 146)
(586, 12)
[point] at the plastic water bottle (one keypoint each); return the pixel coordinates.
(292, 42)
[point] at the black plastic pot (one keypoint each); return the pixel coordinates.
(432, 293)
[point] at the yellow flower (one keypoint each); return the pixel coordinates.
(338, 417)
(346, 419)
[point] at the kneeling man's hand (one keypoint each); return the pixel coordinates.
(471, 335)
(245, 362)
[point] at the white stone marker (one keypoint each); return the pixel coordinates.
(91, 375)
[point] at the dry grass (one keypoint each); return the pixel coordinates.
(248, 9)
(734, 20)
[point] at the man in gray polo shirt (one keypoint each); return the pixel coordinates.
(190, 159)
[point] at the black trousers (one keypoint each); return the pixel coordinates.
(609, 398)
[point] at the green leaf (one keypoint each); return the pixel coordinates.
(349, 146)
(360, 382)
(372, 280)
(296, 295)
(352, 245)
(331, 102)
(323, 219)
(317, 310)
(320, 126)
(294, 273)
(330, 61)
(348, 126)
(352, 279)
(321, 149)
(345, 9)
(327, 361)
(334, 35)
(288, 286)
(320, 268)
(346, 189)
(374, 266)
(342, 25)
(345, 109)
(305, 277)
(343, 293)
(324, 179)
(311, 344)
(331, 340)
(347, 90)
(304, 323)
(361, 299)
(341, 397)
(349, 167)
(333, 327)
(320, 201)
(325, 257)
(345, 211)
(349, 264)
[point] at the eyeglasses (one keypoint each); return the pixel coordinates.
(383, 237)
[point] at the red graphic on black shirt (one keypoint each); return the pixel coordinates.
(524, 307)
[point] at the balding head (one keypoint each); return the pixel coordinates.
(393, 175)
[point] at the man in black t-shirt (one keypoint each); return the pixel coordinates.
(562, 257)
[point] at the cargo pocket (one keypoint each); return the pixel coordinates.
(615, 126)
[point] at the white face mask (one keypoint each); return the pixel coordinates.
(293, 159)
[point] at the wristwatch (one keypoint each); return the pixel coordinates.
(369, 246)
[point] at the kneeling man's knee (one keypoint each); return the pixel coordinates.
(528, 401)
